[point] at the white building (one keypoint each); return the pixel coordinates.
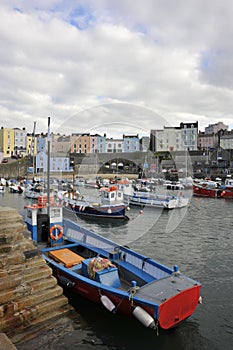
(226, 141)
(58, 163)
(169, 139)
(20, 137)
(189, 133)
(114, 145)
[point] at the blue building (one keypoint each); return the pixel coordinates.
(131, 143)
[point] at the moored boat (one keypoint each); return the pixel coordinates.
(16, 188)
(110, 205)
(150, 199)
(117, 277)
(173, 185)
(208, 188)
(35, 191)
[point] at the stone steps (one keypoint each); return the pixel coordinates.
(29, 294)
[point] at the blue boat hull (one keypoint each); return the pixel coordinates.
(112, 212)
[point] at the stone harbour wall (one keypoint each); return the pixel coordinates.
(29, 294)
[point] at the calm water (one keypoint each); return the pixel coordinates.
(198, 239)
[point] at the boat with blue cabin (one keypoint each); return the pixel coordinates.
(121, 279)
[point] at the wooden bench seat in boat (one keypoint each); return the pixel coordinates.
(66, 256)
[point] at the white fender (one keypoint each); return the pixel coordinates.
(107, 303)
(143, 316)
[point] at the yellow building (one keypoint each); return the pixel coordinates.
(7, 141)
(30, 144)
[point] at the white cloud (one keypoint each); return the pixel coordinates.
(100, 63)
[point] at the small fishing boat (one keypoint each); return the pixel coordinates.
(214, 189)
(16, 188)
(151, 199)
(2, 188)
(35, 191)
(117, 277)
(109, 205)
(173, 185)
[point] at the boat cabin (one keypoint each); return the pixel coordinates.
(44, 226)
(111, 194)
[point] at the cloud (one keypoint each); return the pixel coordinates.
(100, 62)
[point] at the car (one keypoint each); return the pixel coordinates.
(5, 160)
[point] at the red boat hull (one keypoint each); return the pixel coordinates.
(178, 308)
(212, 192)
(168, 314)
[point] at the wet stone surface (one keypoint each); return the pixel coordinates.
(68, 332)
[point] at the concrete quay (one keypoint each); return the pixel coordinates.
(29, 294)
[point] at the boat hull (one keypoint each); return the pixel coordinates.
(202, 191)
(167, 315)
(178, 308)
(157, 201)
(111, 212)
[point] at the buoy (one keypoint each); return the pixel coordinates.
(128, 208)
(141, 211)
(109, 211)
(53, 230)
(107, 303)
(141, 315)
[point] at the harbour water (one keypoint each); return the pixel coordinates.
(198, 239)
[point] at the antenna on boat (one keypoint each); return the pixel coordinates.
(48, 172)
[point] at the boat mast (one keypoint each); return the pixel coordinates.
(48, 171)
(33, 149)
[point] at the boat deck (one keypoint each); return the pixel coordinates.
(165, 288)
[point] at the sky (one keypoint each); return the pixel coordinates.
(115, 66)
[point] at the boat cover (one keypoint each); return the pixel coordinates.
(66, 256)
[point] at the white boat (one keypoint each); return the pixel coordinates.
(173, 185)
(2, 188)
(35, 191)
(91, 184)
(151, 199)
(16, 188)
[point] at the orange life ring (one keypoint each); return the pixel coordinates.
(56, 227)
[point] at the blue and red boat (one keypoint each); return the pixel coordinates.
(121, 279)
